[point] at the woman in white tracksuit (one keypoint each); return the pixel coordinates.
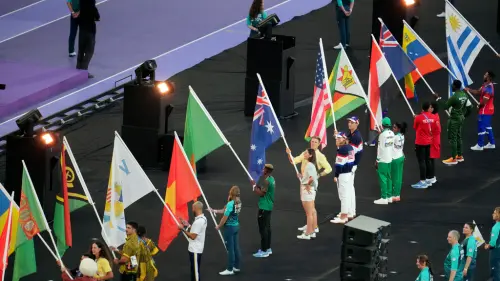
(344, 177)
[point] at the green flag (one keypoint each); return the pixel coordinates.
(201, 134)
(70, 198)
(31, 222)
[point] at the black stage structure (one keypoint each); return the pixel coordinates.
(419, 224)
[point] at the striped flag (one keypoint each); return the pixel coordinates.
(477, 235)
(463, 43)
(322, 102)
(380, 72)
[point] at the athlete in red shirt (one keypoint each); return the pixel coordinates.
(424, 125)
(486, 110)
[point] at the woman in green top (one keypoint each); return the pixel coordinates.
(424, 265)
(231, 225)
(494, 246)
(469, 247)
(255, 17)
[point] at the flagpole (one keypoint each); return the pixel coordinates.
(364, 93)
(199, 186)
(219, 131)
(7, 237)
(455, 77)
(394, 77)
(39, 206)
(279, 124)
(169, 211)
(85, 190)
(328, 82)
(474, 29)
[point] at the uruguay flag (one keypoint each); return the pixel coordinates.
(422, 56)
(463, 43)
(265, 131)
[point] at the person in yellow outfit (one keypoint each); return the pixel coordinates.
(130, 255)
(147, 268)
(102, 258)
(324, 168)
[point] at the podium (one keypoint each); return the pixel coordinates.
(274, 60)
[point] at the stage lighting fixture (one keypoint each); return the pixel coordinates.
(27, 122)
(409, 2)
(147, 69)
(165, 87)
(47, 139)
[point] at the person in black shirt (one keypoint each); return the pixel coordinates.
(86, 40)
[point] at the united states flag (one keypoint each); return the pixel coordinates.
(265, 131)
(321, 104)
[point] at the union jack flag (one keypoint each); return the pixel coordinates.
(265, 132)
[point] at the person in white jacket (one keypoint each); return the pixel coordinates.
(383, 164)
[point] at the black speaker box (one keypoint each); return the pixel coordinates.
(365, 231)
(143, 143)
(356, 254)
(283, 102)
(392, 12)
(145, 107)
(166, 144)
(42, 164)
(358, 272)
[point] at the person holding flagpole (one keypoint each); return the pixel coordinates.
(486, 110)
(344, 163)
(308, 188)
(196, 234)
(469, 248)
(383, 164)
(265, 189)
(494, 246)
(128, 261)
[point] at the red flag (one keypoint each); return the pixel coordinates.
(182, 188)
(380, 72)
(67, 220)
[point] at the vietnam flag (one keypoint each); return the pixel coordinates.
(422, 56)
(182, 188)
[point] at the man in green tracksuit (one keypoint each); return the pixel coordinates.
(459, 107)
(383, 164)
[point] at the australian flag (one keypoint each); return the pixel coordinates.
(265, 131)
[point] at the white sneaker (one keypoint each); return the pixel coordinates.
(304, 236)
(226, 272)
(389, 200)
(313, 235)
(442, 15)
(338, 47)
(72, 54)
(489, 146)
(339, 220)
(477, 148)
(381, 201)
(430, 182)
(316, 230)
(236, 269)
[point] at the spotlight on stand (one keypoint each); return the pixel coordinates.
(145, 71)
(27, 122)
(409, 3)
(165, 87)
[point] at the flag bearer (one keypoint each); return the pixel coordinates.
(128, 261)
(383, 164)
(343, 176)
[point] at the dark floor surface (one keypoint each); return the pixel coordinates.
(420, 222)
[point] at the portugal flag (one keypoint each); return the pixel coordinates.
(70, 198)
(182, 188)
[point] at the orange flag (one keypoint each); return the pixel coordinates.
(182, 188)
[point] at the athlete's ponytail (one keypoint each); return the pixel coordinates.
(423, 259)
(402, 127)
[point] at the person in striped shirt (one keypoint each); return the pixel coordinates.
(323, 166)
(344, 163)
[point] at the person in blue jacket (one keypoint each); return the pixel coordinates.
(452, 263)
(344, 163)
(494, 246)
(469, 248)
(424, 265)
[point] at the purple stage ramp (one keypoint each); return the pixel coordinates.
(28, 85)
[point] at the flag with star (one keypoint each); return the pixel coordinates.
(265, 132)
(348, 94)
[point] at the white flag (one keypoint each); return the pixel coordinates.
(477, 235)
(114, 223)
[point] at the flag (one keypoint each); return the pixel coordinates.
(463, 44)
(201, 134)
(477, 235)
(265, 132)
(5, 242)
(70, 198)
(31, 222)
(4, 214)
(182, 188)
(321, 104)
(380, 72)
(399, 62)
(422, 56)
(114, 223)
(348, 94)
(128, 174)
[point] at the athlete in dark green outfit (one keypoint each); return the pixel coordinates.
(265, 188)
(459, 107)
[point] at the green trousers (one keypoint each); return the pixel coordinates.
(397, 175)
(455, 135)
(384, 179)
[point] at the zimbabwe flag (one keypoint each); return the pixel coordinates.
(71, 197)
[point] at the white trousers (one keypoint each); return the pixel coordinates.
(352, 210)
(345, 190)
